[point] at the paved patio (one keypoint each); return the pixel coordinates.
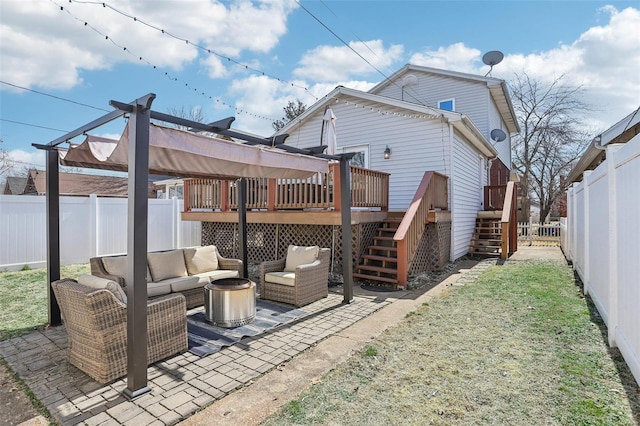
(181, 385)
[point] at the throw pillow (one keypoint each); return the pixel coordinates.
(201, 259)
(98, 283)
(166, 264)
(117, 265)
(300, 255)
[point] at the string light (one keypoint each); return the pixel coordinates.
(200, 47)
(189, 87)
(54, 96)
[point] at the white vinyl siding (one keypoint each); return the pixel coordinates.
(504, 147)
(471, 97)
(467, 185)
(417, 144)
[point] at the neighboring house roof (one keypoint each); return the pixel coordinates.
(621, 132)
(497, 87)
(78, 184)
(15, 185)
(460, 122)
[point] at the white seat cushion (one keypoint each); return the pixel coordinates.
(99, 283)
(183, 283)
(166, 264)
(201, 259)
(217, 275)
(299, 255)
(158, 289)
(284, 278)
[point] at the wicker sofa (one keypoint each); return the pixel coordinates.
(95, 316)
(185, 271)
(302, 277)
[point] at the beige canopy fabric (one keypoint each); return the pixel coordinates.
(181, 153)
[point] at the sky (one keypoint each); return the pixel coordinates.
(62, 61)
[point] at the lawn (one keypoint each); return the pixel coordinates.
(23, 298)
(520, 346)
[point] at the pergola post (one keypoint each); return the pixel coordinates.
(53, 233)
(345, 215)
(242, 225)
(137, 220)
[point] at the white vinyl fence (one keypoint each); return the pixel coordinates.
(89, 226)
(603, 243)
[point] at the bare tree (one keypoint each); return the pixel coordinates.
(291, 111)
(551, 139)
(194, 114)
(7, 165)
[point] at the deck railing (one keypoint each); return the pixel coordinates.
(369, 188)
(431, 194)
(494, 197)
(509, 221)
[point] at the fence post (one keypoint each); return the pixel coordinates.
(613, 246)
(530, 231)
(94, 224)
(585, 179)
(175, 222)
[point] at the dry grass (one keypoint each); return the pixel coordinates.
(23, 298)
(520, 346)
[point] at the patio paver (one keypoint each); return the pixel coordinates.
(181, 385)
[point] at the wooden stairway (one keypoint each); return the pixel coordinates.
(487, 239)
(380, 262)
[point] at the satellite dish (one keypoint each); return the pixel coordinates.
(498, 135)
(409, 80)
(492, 58)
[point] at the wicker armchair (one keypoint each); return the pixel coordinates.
(96, 324)
(308, 283)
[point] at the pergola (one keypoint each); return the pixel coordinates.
(142, 149)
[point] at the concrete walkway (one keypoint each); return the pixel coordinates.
(241, 384)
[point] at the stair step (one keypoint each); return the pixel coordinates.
(380, 258)
(383, 248)
(387, 230)
(379, 269)
(482, 254)
(374, 278)
(381, 238)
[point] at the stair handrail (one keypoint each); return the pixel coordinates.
(414, 222)
(509, 234)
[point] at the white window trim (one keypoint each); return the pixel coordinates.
(453, 103)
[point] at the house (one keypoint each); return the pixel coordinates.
(15, 185)
(72, 184)
(419, 120)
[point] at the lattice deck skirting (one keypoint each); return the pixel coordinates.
(433, 251)
(269, 241)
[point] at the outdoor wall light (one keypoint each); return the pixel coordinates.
(387, 153)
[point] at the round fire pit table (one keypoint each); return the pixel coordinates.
(230, 302)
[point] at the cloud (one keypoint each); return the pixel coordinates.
(45, 46)
(333, 63)
(27, 159)
(456, 57)
(603, 60)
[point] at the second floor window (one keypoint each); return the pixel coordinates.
(447, 104)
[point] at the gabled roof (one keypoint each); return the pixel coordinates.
(78, 184)
(497, 87)
(15, 185)
(460, 122)
(621, 132)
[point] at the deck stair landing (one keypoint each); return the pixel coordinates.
(487, 239)
(380, 262)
